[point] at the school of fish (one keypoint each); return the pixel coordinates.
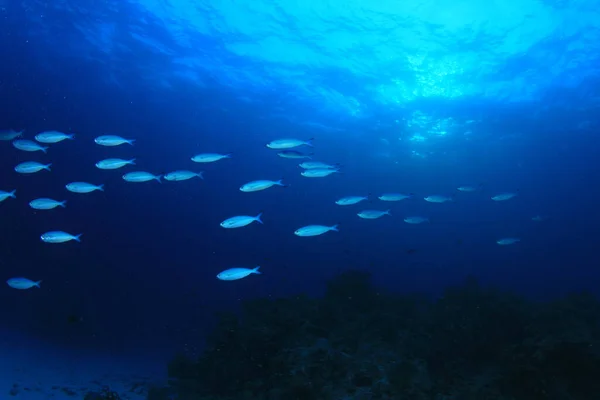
(288, 149)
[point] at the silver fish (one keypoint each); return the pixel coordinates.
(46, 204)
(114, 163)
(112, 140)
(294, 154)
(318, 172)
(255, 186)
(28, 145)
(30, 167)
(182, 175)
(59, 237)
(315, 230)
(395, 196)
(289, 143)
(53, 137)
(373, 214)
(83, 187)
(240, 220)
(22, 283)
(209, 157)
(349, 200)
(508, 241)
(140, 176)
(233, 274)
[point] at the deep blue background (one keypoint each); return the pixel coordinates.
(144, 274)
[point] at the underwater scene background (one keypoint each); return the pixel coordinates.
(480, 118)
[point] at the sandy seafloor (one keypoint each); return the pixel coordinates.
(33, 370)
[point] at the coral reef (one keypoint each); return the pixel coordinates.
(360, 343)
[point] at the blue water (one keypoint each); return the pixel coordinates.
(419, 97)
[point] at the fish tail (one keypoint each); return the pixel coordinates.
(280, 183)
(78, 237)
(388, 211)
(309, 142)
(257, 218)
(255, 270)
(132, 161)
(228, 155)
(71, 136)
(201, 175)
(335, 228)
(101, 187)
(131, 141)
(13, 194)
(48, 166)
(157, 177)
(63, 204)
(37, 284)
(45, 149)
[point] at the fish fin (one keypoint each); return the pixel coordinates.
(335, 228)
(13, 194)
(157, 177)
(78, 237)
(131, 141)
(132, 161)
(309, 142)
(280, 183)
(257, 218)
(228, 155)
(389, 211)
(255, 270)
(45, 149)
(48, 166)
(101, 187)
(201, 175)
(71, 136)
(37, 284)
(63, 204)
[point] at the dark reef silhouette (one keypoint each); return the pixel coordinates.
(357, 342)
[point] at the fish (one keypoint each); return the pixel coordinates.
(29, 167)
(373, 214)
(395, 196)
(504, 196)
(438, 199)
(22, 283)
(240, 220)
(10, 135)
(140, 176)
(469, 189)
(59, 237)
(28, 145)
(233, 274)
(114, 163)
(318, 172)
(508, 241)
(83, 187)
(183, 175)
(255, 186)
(53, 137)
(415, 220)
(5, 195)
(349, 200)
(289, 143)
(112, 140)
(46, 204)
(318, 165)
(209, 157)
(315, 230)
(294, 154)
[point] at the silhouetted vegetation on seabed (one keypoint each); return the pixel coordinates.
(357, 342)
